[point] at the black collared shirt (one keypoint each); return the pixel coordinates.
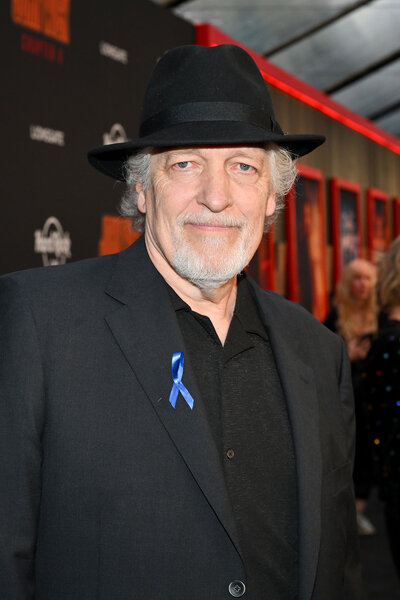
(246, 409)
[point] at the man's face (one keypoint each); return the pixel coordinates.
(205, 210)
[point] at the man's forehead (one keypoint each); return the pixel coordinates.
(237, 149)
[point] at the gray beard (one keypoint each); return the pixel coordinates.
(211, 267)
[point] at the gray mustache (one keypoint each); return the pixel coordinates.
(212, 220)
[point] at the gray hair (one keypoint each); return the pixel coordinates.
(137, 171)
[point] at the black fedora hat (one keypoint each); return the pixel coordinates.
(199, 96)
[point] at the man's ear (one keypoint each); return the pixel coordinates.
(141, 203)
(271, 205)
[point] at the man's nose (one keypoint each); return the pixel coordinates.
(216, 190)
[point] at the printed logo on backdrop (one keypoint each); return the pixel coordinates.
(116, 135)
(53, 243)
(47, 17)
(113, 52)
(47, 135)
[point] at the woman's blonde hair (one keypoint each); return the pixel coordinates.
(354, 320)
(389, 277)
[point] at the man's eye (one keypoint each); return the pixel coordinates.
(245, 167)
(183, 164)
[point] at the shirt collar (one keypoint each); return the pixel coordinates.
(246, 309)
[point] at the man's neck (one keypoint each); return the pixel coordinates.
(217, 303)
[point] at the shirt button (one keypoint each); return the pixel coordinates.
(236, 588)
(230, 453)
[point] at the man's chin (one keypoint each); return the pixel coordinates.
(210, 283)
(210, 267)
(206, 277)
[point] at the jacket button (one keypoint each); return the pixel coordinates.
(236, 588)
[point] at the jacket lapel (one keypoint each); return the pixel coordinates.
(145, 327)
(302, 403)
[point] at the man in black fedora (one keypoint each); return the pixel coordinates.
(169, 430)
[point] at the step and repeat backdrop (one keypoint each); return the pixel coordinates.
(73, 76)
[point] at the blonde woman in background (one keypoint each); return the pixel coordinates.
(355, 318)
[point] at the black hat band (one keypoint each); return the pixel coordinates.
(209, 111)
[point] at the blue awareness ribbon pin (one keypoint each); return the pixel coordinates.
(177, 386)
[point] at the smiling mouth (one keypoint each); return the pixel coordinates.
(212, 227)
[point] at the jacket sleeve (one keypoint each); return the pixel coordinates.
(352, 574)
(21, 422)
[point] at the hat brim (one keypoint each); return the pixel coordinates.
(110, 159)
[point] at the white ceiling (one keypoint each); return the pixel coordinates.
(347, 49)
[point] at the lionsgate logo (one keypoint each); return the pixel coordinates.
(47, 135)
(53, 243)
(116, 135)
(113, 52)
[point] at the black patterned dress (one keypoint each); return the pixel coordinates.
(382, 391)
(363, 463)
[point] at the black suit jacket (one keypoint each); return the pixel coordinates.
(107, 492)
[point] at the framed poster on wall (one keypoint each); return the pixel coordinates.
(378, 223)
(116, 234)
(306, 243)
(345, 204)
(262, 265)
(396, 216)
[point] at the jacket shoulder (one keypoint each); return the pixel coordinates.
(65, 292)
(295, 316)
(90, 271)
